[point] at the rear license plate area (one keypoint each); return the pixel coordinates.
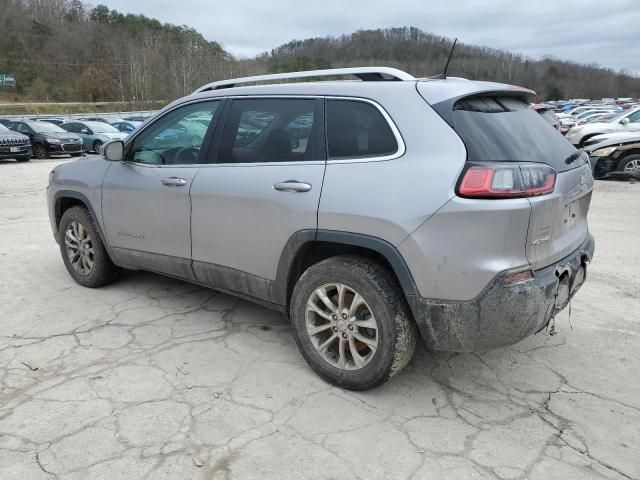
(568, 283)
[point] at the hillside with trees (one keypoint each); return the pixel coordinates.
(65, 50)
(423, 54)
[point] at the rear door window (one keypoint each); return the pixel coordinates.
(268, 130)
(357, 129)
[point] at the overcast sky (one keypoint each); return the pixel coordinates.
(606, 32)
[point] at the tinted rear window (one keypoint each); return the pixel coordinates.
(506, 129)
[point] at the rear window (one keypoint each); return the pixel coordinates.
(506, 129)
(357, 130)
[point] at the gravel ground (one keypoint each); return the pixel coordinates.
(154, 378)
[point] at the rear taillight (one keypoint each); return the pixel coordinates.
(506, 180)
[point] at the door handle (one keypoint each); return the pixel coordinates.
(291, 186)
(174, 182)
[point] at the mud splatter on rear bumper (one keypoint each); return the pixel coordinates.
(502, 314)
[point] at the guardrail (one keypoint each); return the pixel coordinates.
(111, 116)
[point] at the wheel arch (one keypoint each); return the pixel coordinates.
(627, 153)
(66, 199)
(587, 137)
(307, 247)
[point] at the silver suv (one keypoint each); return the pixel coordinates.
(367, 210)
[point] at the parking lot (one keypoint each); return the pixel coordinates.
(159, 379)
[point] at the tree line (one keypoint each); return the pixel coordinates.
(423, 54)
(66, 50)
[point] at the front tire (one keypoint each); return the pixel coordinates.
(630, 164)
(83, 252)
(351, 322)
(96, 146)
(40, 152)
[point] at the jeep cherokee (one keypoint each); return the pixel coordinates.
(369, 211)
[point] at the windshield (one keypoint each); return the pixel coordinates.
(506, 129)
(4, 129)
(45, 127)
(99, 127)
(613, 117)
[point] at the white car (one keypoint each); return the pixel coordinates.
(594, 142)
(625, 122)
(594, 116)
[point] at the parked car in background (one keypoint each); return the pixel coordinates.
(48, 139)
(54, 120)
(604, 137)
(189, 132)
(618, 154)
(126, 126)
(94, 134)
(327, 201)
(597, 117)
(14, 145)
(94, 119)
(573, 112)
(594, 111)
(137, 118)
(624, 122)
(592, 117)
(548, 114)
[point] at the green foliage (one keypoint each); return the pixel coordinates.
(100, 14)
(553, 93)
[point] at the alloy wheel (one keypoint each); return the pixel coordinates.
(79, 248)
(40, 152)
(632, 166)
(341, 326)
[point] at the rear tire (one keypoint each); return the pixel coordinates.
(358, 356)
(630, 164)
(83, 252)
(96, 146)
(40, 152)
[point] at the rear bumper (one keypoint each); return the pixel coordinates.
(501, 314)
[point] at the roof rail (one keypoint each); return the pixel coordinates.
(363, 73)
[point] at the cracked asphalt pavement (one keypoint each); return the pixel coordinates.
(152, 378)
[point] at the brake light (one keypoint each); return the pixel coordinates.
(506, 180)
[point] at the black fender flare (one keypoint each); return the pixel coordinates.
(59, 195)
(384, 248)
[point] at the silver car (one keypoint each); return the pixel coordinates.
(368, 211)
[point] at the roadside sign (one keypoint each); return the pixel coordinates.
(7, 80)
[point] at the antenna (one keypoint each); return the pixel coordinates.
(443, 75)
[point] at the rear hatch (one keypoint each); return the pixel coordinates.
(500, 127)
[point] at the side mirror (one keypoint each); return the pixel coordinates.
(624, 121)
(113, 151)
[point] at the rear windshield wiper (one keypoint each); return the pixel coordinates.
(573, 157)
